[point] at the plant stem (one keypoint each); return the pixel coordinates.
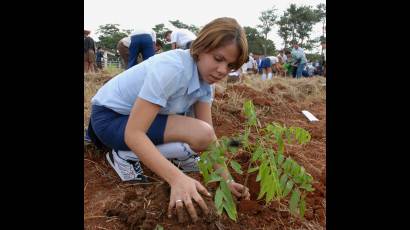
(247, 174)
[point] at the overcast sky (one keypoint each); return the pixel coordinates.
(134, 14)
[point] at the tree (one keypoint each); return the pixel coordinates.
(181, 25)
(268, 19)
(284, 30)
(321, 13)
(160, 30)
(256, 42)
(109, 35)
(313, 57)
(297, 24)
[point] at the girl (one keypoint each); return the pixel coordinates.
(144, 106)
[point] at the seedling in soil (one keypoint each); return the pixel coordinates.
(280, 177)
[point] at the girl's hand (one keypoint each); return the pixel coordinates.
(183, 191)
(239, 190)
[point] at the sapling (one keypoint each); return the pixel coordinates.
(278, 175)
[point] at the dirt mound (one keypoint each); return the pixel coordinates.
(111, 204)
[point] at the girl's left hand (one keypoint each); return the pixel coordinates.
(238, 190)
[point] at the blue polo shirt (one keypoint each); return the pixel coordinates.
(169, 79)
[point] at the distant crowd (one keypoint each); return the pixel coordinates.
(142, 44)
(288, 63)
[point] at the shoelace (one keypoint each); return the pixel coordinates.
(135, 164)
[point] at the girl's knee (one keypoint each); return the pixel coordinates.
(204, 137)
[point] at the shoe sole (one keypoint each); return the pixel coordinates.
(143, 179)
(112, 165)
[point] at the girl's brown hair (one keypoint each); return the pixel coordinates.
(218, 33)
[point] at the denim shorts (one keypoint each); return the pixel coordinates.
(109, 127)
(265, 63)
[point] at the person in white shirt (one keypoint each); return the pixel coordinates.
(145, 106)
(180, 38)
(273, 61)
(250, 65)
(140, 41)
(283, 56)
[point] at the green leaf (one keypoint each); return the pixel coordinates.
(231, 212)
(264, 189)
(307, 187)
(289, 186)
(258, 177)
(262, 168)
(271, 156)
(257, 154)
(270, 191)
(251, 170)
(300, 178)
(236, 166)
(215, 178)
(214, 156)
(288, 136)
(245, 140)
(281, 146)
(219, 171)
(218, 200)
(229, 205)
(280, 158)
(265, 171)
(287, 165)
(302, 207)
(159, 227)
(294, 201)
(283, 180)
(295, 169)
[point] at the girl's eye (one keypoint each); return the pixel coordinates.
(218, 59)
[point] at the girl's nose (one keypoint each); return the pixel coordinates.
(223, 69)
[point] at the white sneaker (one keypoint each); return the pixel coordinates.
(127, 170)
(189, 164)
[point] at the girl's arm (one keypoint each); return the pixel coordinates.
(183, 188)
(203, 112)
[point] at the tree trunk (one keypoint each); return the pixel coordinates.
(264, 45)
(323, 29)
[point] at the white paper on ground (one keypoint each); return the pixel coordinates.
(309, 116)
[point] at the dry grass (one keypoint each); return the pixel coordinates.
(311, 89)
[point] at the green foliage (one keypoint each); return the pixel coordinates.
(160, 30)
(216, 155)
(268, 19)
(109, 35)
(313, 57)
(280, 177)
(321, 13)
(256, 42)
(159, 227)
(296, 23)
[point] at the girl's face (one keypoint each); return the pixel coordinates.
(213, 66)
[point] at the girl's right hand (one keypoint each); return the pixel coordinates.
(184, 189)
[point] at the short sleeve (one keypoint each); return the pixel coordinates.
(209, 96)
(154, 36)
(174, 36)
(161, 83)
